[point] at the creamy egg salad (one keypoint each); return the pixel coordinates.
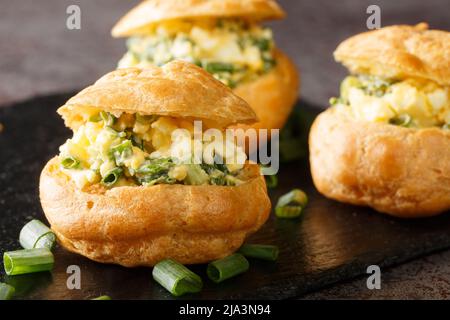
(412, 103)
(133, 149)
(233, 51)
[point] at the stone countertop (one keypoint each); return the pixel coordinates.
(39, 55)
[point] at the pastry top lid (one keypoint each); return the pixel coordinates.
(178, 89)
(400, 52)
(153, 11)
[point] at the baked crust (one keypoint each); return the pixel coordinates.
(139, 226)
(154, 11)
(273, 95)
(178, 89)
(399, 171)
(399, 52)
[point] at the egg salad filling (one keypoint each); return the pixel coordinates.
(133, 149)
(233, 51)
(414, 103)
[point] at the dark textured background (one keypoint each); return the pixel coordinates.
(39, 55)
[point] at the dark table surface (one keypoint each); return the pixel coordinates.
(38, 55)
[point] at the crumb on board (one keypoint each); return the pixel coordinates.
(1, 127)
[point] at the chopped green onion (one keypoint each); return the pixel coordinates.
(112, 177)
(107, 118)
(145, 118)
(70, 163)
(271, 181)
(102, 298)
(176, 278)
(6, 291)
(35, 234)
(262, 43)
(260, 251)
(216, 67)
(291, 204)
(28, 261)
(446, 126)
(403, 120)
(270, 176)
(227, 267)
(95, 118)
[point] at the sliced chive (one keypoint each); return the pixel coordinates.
(271, 181)
(260, 251)
(112, 176)
(145, 118)
(227, 267)
(124, 146)
(176, 278)
(291, 204)
(107, 118)
(102, 298)
(95, 118)
(446, 126)
(270, 176)
(288, 212)
(70, 163)
(35, 234)
(403, 120)
(28, 261)
(215, 67)
(6, 291)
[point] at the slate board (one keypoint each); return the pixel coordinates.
(331, 242)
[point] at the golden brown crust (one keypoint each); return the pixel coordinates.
(178, 89)
(153, 11)
(399, 52)
(141, 225)
(400, 171)
(273, 95)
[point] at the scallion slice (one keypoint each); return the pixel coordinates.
(70, 163)
(102, 298)
(260, 251)
(227, 267)
(35, 234)
(107, 118)
(291, 204)
(216, 67)
(446, 126)
(112, 176)
(6, 291)
(28, 261)
(270, 176)
(176, 278)
(403, 120)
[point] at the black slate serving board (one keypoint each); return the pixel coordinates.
(331, 242)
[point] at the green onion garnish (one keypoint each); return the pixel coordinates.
(95, 118)
(35, 234)
(271, 181)
(291, 204)
(112, 176)
(216, 67)
(446, 126)
(260, 251)
(70, 163)
(107, 118)
(176, 278)
(102, 298)
(227, 267)
(28, 261)
(124, 146)
(6, 291)
(403, 120)
(270, 176)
